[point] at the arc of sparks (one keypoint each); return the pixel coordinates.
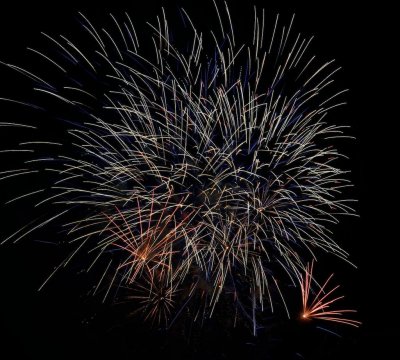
(320, 305)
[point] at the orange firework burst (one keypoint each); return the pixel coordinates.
(153, 247)
(156, 296)
(321, 306)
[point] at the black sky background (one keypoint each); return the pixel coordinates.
(60, 323)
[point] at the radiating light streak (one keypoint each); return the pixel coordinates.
(319, 305)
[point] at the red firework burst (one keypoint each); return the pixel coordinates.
(319, 305)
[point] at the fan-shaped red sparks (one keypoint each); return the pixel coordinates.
(320, 306)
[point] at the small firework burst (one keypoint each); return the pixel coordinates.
(156, 296)
(321, 305)
(153, 242)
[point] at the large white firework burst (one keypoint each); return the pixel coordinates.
(199, 171)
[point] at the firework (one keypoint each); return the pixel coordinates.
(320, 306)
(205, 170)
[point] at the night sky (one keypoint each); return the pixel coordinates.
(61, 322)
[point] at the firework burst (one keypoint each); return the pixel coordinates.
(319, 306)
(205, 170)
